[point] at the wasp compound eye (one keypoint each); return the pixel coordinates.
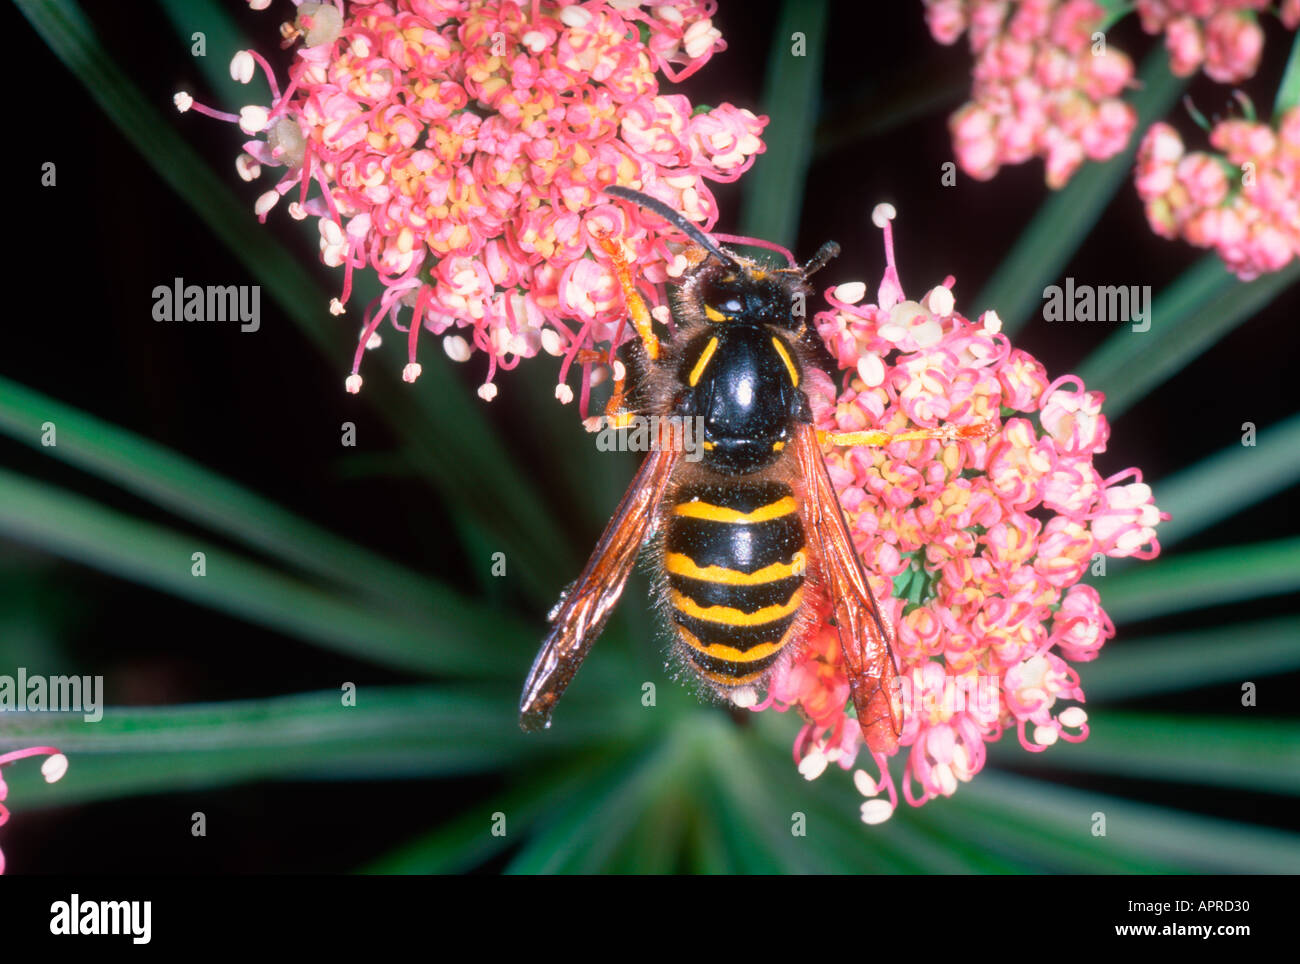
(722, 297)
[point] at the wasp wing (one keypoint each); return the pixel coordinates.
(863, 630)
(584, 610)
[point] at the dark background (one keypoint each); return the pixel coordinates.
(264, 408)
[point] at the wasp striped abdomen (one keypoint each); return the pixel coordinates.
(734, 556)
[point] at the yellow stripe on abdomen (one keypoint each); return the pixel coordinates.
(717, 513)
(730, 653)
(735, 617)
(682, 565)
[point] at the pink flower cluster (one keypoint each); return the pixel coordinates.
(974, 549)
(1043, 86)
(1221, 36)
(55, 765)
(1244, 201)
(460, 148)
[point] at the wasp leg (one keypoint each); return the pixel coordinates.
(616, 411)
(617, 414)
(636, 305)
(947, 433)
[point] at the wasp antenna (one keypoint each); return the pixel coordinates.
(818, 261)
(676, 219)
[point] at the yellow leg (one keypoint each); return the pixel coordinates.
(616, 416)
(947, 433)
(636, 306)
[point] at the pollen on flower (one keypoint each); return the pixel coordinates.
(813, 765)
(460, 150)
(456, 347)
(253, 119)
(876, 811)
(247, 167)
(352, 383)
(866, 786)
(242, 66)
(411, 372)
(265, 202)
(54, 767)
(744, 696)
(851, 293)
(984, 597)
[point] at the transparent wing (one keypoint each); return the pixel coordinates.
(581, 615)
(864, 633)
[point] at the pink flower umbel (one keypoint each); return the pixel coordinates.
(52, 769)
(459, 149)
(1044, 86)
(974, 549)
(1243, 201)
(1222, 38)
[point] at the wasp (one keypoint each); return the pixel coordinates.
(749, 543)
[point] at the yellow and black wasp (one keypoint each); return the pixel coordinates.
(749, 543)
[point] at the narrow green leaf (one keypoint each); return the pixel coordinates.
(1199, 308)
(448, 432)
(176, 483)
(836, 838)
(1288, 92)
(223, 39)
(957, 839)
(1150, 838)
(467, 841)
(760, 826)
(1184, 661)
(67, 525)
(1045, 247)
(1244, 754)
(706, 851)
(774, 187)
(1225, 483)
(582, 838)
(655, 843)
(1056, 840)
(391, 732)
(913, 839)
(1180, 583)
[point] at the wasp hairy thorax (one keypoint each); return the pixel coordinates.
(749, 543)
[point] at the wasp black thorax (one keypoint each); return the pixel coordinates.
(739, 371)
